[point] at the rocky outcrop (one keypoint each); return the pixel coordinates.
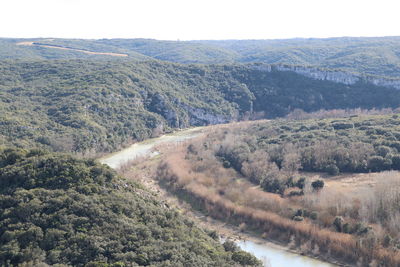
(318, 74)
(336, 76)
(161, 106)
(199, 116)
(188, 116)
(391, 83)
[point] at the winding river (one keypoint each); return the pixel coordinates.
(271, 254)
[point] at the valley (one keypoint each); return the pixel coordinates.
(331, 220)
(142, 152)
(136, 162)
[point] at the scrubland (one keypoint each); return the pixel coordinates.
(329, 187)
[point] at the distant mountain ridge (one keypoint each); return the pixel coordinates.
(374, 56)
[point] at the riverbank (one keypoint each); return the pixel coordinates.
(147, 148)
(146, 157)
(144, 172)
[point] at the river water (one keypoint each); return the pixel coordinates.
(270, 254)
(273, 256)
(147, 148)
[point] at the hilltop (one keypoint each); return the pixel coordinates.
(375, 56)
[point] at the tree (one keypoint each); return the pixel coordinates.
(231, 246)
(317, 185)
(245, 258)
(378, 163)
(332, 169)
(301, 182)
(273, 181)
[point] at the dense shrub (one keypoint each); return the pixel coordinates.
(56, 209)
(244, 258)
(377, 163)
(317, 185)
(332, 169)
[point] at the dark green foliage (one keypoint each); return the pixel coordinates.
(244, 258)
(299, 212)
(332, 169)
(301, 182)
(338, 223)
(273, 185)
(296, 193)
(91, 106)
(234, 156)
(55, 209)
(317, 185)
(346, 228)
(314, 215)
(396, 162)
(359, 228)
(231, 246)
(387, 241)
(226, 164)
(378, 163)
(342, 125)
(383, 151)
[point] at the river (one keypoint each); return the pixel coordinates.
(274, 256)
(271, 254)
(147, 148)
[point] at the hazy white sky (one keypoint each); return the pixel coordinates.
(202, 19)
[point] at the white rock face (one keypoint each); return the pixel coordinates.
(198, 116)
(384, 82)
(317, 74)
(336, 76)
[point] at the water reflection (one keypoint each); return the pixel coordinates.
(275, 257)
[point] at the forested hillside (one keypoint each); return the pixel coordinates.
(93, 106)
(55, 209)
(376, 56)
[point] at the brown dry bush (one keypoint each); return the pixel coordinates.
(223, 195)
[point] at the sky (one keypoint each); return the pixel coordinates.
(198, 20)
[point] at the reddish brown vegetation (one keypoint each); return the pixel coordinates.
(223, 196)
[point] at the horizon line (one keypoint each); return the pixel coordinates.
(192, 40)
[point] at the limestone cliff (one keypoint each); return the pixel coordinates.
(337, 76)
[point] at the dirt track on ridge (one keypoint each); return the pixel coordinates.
(72, 49)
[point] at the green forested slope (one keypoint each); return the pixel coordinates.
(83, 106)
(10, 49)
(55, 209)
(376, 56)
(79, 105)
